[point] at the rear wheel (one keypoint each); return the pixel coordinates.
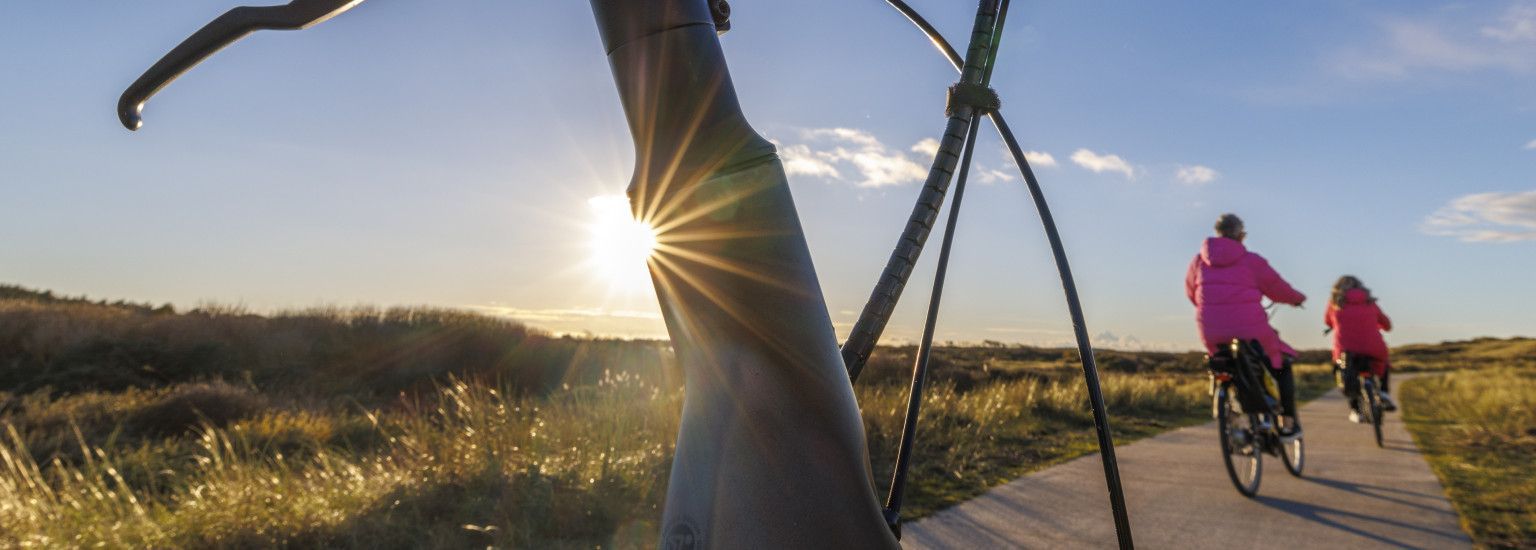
(1294, 456)
(1239, 443)
(1373, 400)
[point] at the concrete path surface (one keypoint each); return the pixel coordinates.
(1352, 495)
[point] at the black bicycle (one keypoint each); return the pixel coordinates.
(1246, 404)
(1362, 388)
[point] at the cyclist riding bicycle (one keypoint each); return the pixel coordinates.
(1226, 283)
(1356, 322)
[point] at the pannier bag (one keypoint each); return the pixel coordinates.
(1248, 366)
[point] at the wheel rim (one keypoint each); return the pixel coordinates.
(1239, 445)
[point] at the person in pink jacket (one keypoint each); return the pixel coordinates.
(1356, 322)
(1226, 283)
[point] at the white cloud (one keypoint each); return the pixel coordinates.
(1037, 159)
(1486, 217)
(829, 151)
(850, 135)
(990, 176)
(1531, 146)
(1103, 163)
(927, 147)
(1196, 175)
(880, 167)
(800, 161)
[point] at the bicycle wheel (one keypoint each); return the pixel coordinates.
(1294, 456)
(1239, 443)
(1374, 400)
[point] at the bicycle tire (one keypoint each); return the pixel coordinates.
(1294, 456)
(1225, 417)
(1375, 404)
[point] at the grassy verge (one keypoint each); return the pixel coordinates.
(473, 465)
(126, 425)
(468, 467)
(1478, 430)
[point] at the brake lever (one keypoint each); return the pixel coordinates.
(222, 31)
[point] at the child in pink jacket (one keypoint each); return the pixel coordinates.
(1226, 282)
(1357, 322)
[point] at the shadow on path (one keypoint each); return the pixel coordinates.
(1373, 491)
(1323, 515)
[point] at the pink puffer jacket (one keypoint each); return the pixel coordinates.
(1225, 283)
(1357, 327)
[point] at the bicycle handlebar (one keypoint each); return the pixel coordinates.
(224, 30)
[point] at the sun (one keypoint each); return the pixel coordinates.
(619, 245)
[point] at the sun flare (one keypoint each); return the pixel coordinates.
(620, 244)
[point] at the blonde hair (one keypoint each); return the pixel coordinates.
(1346, 284)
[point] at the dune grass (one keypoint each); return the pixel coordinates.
(128, 425)
(473, 465)
(1478, 430)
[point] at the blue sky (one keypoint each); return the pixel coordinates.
(449, 153)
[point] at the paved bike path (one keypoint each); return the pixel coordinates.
(1352, 495)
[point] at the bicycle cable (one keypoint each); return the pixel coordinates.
(856, 356)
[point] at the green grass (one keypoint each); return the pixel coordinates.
(1478, 430)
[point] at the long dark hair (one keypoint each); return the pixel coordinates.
(1346, 284)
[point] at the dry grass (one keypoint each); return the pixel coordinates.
(125, 425)
(473, 467)
(1478, 429)
(1467, 354)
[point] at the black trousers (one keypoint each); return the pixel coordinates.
(1286, 379)
(1351, 379)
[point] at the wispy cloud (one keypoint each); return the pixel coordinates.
(1099, 163)
(1407, 46)
(1037, 159)
(836, 153)
(1517, 25)
(1196, 175)
(1531, 146)
(799, 160)
(990, 176)
(1486, 217)
(928, 147)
